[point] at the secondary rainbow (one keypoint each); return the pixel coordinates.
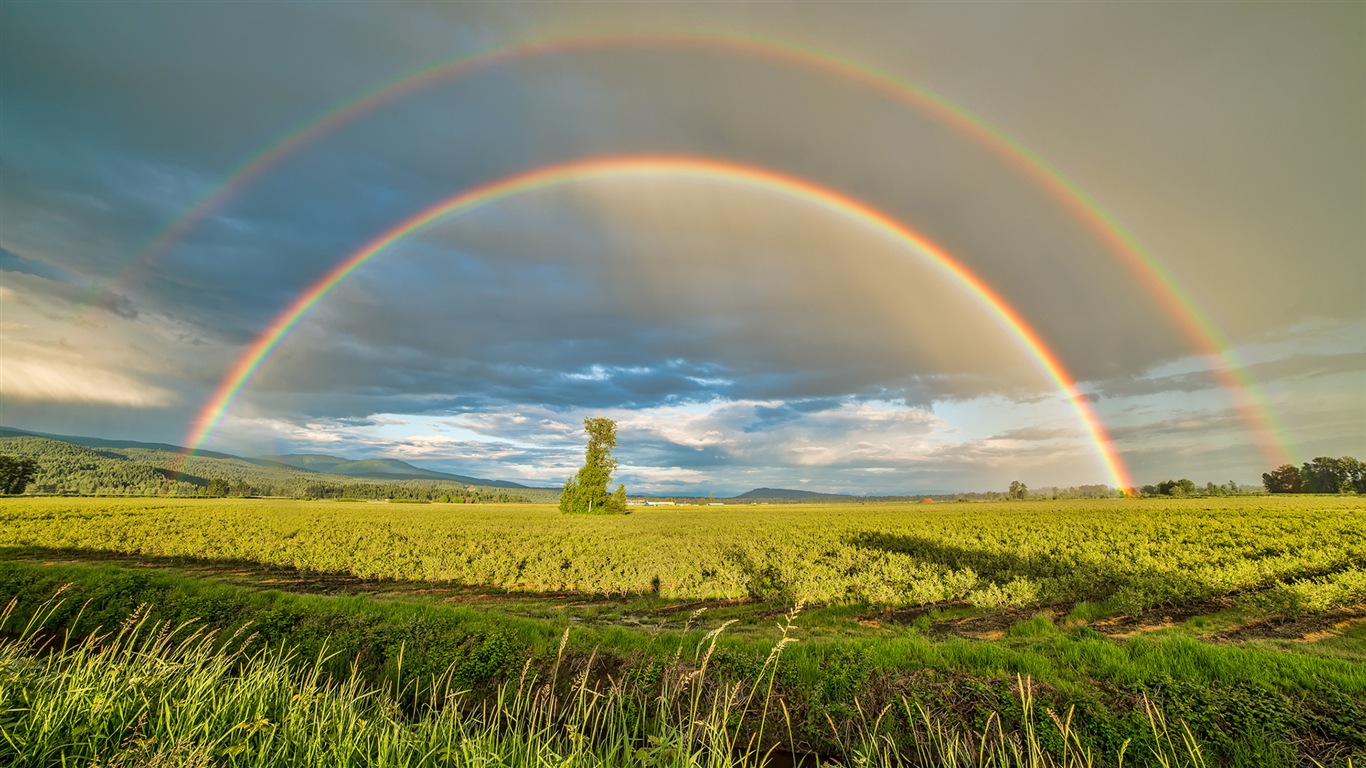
(670, 166)
(1175, 301)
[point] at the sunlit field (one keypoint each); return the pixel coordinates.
(1201, 631)
(1132, 555)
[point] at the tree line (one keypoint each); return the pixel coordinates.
(1182, 488)
(1322, 475)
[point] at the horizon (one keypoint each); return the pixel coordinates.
(859, 254)
(703, 491)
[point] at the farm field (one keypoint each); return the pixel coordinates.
(1244, 617)
(1126, 555)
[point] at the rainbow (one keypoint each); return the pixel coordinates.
(618, 166)
(1174, 300)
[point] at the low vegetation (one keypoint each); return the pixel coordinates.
(156, 693)
(1215, 631)
(1130, 555)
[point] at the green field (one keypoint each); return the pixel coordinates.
(1239, 618)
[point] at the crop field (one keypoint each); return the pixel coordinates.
(1242, 619)
(1131, 555)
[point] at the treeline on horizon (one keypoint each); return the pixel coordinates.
(1322, 475)
(66, 468)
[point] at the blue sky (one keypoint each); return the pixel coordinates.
(739, 338)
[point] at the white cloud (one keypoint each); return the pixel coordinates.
(61, 381)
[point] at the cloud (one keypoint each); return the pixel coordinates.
(65, 382)
(13, 262)
(1293, 368)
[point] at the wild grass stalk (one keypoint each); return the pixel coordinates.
(158, 694)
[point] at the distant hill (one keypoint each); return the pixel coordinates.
(90, 465)
(99, 442)
(788, 493)
(379, 469)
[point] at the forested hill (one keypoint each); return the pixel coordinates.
(125, 468)
(381, 469)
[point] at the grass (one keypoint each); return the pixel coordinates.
(1232, 697)
(162, 694)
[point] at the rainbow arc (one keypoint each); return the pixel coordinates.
(257, 354)
(1176, 303)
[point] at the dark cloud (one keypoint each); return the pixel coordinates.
(1287, 368)
(1035, 434)
(13, 262)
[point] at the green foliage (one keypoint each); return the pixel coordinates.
(833, 690)
(586, 492)
(1182, 487)
(66, 468)
(1130, 554)
(1323, 475)
(162, 693)
(1178, 488)
(1283, 479)
(15, 473)
(1329, 475)
(73, 468)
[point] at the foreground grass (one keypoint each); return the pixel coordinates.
(1246, 705)
(159, 694)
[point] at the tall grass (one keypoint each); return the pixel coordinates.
(156, 694)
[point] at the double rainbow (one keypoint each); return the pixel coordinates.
(1197, 327)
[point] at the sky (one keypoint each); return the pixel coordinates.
(1170, 199)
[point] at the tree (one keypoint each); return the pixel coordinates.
(586, 492)
(1356, 473)
(15, 473)
(1283, 479)
(1325, 475)
(1018, 490)
(217, 487)
(1182, 487)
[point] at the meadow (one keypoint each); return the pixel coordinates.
(879, 634)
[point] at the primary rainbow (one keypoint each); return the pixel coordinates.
(617, 166)
(1175, 301)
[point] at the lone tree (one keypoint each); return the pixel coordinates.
(15, 473)
(586, 492)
